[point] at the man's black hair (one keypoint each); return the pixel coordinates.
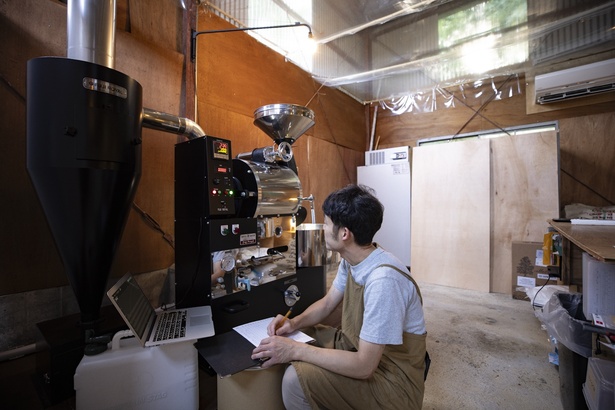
(355, 207)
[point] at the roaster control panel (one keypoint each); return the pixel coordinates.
(220, 177)
(204, 186)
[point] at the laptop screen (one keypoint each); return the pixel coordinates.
(135, 306)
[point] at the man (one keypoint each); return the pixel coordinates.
(377, 359)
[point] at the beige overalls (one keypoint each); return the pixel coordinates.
(397, 383)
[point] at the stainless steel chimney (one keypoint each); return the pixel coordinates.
(91, 31)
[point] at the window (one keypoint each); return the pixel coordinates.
(512, 131)
(483, 37)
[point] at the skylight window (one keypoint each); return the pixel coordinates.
(482, 38)
(294, 44)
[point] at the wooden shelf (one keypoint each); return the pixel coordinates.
(597, 240)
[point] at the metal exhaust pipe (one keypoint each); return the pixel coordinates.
(91, 31)
(171, 123)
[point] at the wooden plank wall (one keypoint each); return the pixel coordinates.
(524, 195)
(471, 199)
(239, 76)
(236, 75)
(38, 28)
(587, 159)
(586, 147)
(234, 79)
(587, 166)
(450, 214)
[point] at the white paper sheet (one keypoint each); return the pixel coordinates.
(257, 331)
(592, 221)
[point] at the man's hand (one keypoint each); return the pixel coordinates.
(280, 326)
(275, 350)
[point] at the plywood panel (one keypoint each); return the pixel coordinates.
(586, 138)
(28, 253)
(406, 129)
(158, 22)
(237, 127)
(524, 196)
(587, 147)
(238, 74)
(324, 167)
(450, 214)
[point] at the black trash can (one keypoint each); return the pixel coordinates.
(563, 317)
(572, 372)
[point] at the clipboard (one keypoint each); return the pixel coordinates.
(227, 353)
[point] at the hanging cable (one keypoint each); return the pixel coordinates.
(152, 223)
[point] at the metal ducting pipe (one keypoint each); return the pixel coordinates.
(171, 123)
(91, 38)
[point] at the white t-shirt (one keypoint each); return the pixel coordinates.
(392, 303)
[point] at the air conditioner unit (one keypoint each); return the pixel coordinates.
(575, 82)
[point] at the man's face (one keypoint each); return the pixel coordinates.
(332, 235)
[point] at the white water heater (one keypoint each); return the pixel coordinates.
(387, 172)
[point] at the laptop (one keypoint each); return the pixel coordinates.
(153, 328)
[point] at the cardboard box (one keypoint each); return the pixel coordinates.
(527, 268)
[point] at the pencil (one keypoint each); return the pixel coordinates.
(284, 318)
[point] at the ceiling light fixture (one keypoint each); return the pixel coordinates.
(195, 34)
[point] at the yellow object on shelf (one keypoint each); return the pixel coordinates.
(547, 248)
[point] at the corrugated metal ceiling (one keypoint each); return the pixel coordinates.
(387, 50)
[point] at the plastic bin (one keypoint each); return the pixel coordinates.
(598, 386)
(129, 376)
(563, 317)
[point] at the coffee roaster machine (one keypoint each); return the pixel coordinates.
(84, 123)
(242, 244)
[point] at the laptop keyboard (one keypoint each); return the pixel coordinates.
(171, 325)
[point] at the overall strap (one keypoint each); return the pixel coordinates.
(406, 275)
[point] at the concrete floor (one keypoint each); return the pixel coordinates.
(488, 352)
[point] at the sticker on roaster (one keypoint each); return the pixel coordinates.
(247, 239)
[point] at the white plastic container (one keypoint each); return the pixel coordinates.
(128, 376)
(598, 386)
